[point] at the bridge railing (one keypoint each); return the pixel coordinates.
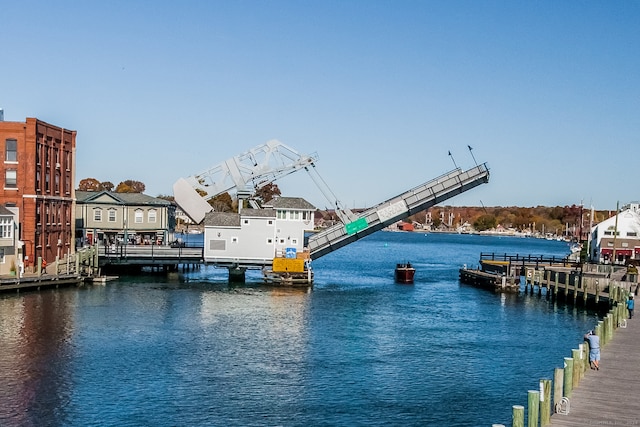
(122, 254)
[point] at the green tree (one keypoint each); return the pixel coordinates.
(485, 222)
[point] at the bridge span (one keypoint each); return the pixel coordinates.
(358, 226)
(406, 204)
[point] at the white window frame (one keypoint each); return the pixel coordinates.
(152, 216)
(112, 215)
(97, 215)
(138, 216)
(6, 228)
(11, 179)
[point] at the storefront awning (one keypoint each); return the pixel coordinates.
(619, 252)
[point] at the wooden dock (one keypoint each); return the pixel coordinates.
(609, 396)
(32, 282)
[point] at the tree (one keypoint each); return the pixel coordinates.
(89, 184)
(485, 222)
(222, 203)
(130, 186)
(266, 193)
(107, 185)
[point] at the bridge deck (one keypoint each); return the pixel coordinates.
(609, 396)
(408, 203)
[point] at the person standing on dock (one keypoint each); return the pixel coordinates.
(630, 304)
(594, 349)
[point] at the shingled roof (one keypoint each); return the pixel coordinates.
(290, 203)
(122, 198)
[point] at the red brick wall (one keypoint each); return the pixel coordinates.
(45, 193)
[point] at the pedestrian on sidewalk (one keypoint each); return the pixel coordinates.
(630, 304)
(594, 349)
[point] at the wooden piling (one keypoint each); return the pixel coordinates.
(533, 408)
(558, 380)
(518, 416)
(545, 402)
(575, 355)
(584, 359)
(568, 376)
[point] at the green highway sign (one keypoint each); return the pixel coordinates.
(357, 225)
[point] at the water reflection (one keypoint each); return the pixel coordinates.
(36, 341)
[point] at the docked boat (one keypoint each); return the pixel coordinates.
(404, 273)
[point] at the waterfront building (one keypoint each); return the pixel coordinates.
(256, 236)
(38, 161)
(619, 234)
(106, 217)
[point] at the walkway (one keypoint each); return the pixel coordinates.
(611, 395)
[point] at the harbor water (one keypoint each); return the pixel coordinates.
(188, 349)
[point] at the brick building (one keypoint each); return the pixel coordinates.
(38, 161)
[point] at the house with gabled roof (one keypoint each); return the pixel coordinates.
(106, 217)
(617, 239)
(253, 237)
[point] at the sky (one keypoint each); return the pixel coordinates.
(546, 92)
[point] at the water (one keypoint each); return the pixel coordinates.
(356, 350)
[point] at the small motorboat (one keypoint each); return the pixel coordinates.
(404, 273)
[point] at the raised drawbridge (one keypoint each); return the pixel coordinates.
(260, 166)
(406, 204)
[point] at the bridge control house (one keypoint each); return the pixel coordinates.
(252, 238)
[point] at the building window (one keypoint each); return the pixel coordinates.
(270, 222)
(632, 234)
(138, 216)
(11, 178)
(269, 241)
(281, 214)
(295, 215)
(306, 215)
(6, 228)
(294, 241)
(282, 241)
(11, 150)
(112, 215)
(246, 222)
(151, 216)
(234, 240)
(97, 215)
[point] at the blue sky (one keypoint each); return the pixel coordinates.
(546, 92)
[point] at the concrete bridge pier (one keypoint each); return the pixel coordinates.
(237, 274)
